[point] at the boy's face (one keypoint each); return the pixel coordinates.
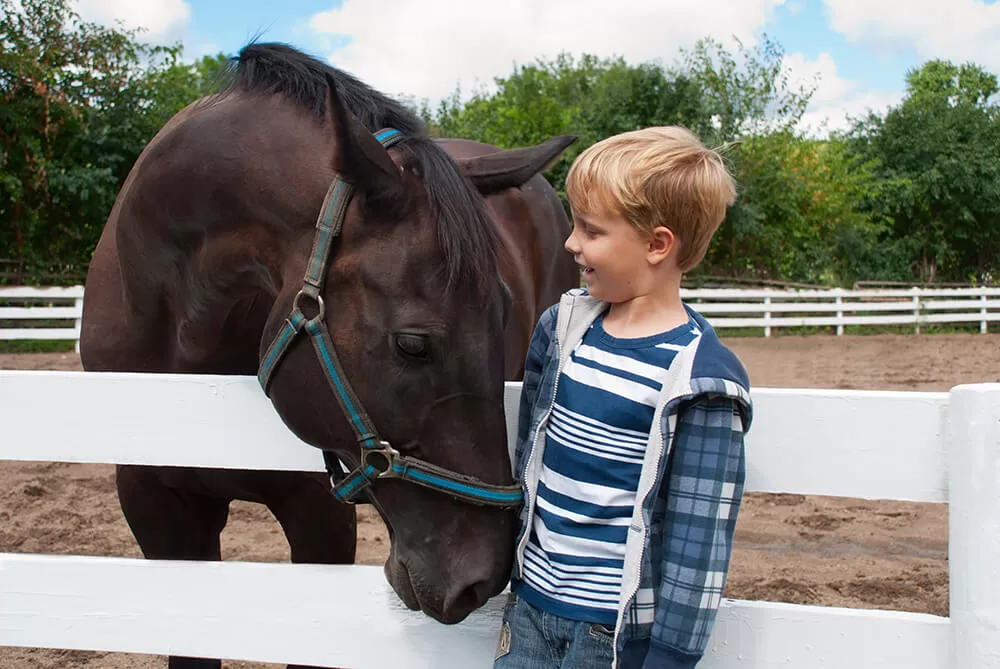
(612, 253)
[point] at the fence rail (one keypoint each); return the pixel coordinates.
(879, 445)
(55, 313)
(28, 313)
(917, 307)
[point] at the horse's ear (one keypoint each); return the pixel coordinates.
(509, 169)
(362, 161)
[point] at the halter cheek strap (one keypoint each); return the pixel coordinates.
(378, 458)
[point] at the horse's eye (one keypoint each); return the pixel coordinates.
(413, 346)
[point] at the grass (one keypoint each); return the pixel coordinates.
(36, 346)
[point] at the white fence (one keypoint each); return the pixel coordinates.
(26, 307)
(878, 445)
(724, 308)
(768, 309)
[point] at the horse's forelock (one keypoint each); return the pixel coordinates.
(465, 231)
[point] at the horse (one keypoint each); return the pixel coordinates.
(382, 284)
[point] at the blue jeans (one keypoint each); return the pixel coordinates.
(533, 639)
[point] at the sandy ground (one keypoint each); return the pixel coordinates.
(789, 548)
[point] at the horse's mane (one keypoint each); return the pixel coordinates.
(279, 68)
(465, 233)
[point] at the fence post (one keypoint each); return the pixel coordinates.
(916, 309)
(982, 311)
(78, 323)
(974, 525)
(840, 314)
(767, 316)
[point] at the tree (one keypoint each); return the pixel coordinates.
(938, 149)
(588, 97)
(796, 213)
(750, 110)
(749, 94)
(174, 84)
(78, 102)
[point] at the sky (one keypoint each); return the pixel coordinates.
(857, 52)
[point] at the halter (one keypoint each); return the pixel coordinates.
(379, 460)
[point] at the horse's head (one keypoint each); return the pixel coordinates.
(413, 303)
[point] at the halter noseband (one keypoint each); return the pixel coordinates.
(379, 460)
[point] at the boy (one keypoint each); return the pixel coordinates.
(630, 436)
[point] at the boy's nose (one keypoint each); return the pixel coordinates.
(571, 244)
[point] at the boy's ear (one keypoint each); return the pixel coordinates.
(662, 243)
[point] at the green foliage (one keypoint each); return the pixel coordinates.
(588, 97)
(797, 212)
(913, 194)
(937, 177)
(174, 84)
(795, 196)
(78, 102)
(794, 200)
(748, 94)
(797, 217)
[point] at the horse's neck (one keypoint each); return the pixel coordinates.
(208, 212)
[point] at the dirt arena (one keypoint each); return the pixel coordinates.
(789, 548)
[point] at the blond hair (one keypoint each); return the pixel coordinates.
(655, 177)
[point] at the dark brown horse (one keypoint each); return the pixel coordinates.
(442, 243)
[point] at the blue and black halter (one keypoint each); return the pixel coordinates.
(379, 460)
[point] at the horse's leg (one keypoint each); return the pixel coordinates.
(171, 524)
(319, 529)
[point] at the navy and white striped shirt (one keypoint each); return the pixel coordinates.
(595, 441)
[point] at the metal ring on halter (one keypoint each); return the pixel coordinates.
(318, 299)
(386, 453)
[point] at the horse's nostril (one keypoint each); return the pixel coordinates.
(465, 601)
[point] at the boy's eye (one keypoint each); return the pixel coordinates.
(585, 228)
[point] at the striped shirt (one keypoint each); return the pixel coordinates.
(595, 441)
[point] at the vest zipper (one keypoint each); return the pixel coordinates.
(625, 601)
(533, 490)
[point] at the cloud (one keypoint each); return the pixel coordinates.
(425, 48)
(958, 30)
(835, 98)
(193, 52)
(163, 20)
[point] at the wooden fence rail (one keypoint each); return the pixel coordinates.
(930, 447)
